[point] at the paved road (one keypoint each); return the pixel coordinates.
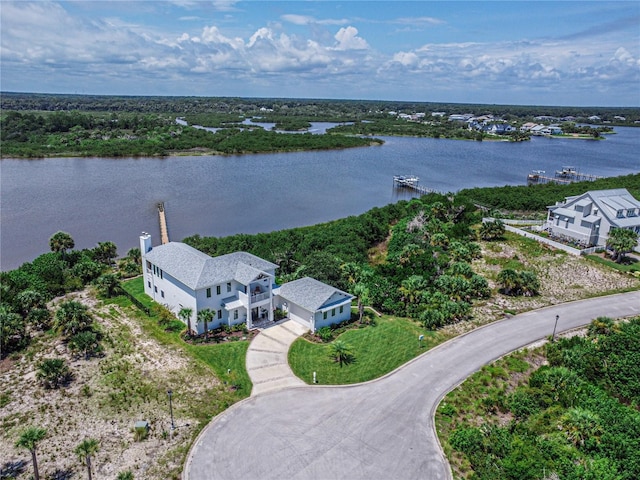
(379, 430)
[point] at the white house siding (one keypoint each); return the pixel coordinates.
(169, 292)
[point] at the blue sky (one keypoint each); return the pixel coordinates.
(504, 52)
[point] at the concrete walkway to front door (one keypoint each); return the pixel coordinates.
(267, 363)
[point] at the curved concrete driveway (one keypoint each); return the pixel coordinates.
(378, 430)
(267, 358)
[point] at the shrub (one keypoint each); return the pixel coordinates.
(467, 440)
(53, 372)
(325, 334)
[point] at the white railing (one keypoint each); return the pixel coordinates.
(258, 297)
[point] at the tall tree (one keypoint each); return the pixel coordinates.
(621, 241)
(206, 315)
(61, 242)
(29, 439)
(86, 450)
(185, 315)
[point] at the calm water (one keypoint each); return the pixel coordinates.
(98, 199)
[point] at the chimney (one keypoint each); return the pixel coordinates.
(145, 243)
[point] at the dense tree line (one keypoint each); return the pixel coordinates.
(538, 197)
(576, 419)
(310, 109)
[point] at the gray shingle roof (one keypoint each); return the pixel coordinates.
(309, 293)
(608, 202)
(198, 270)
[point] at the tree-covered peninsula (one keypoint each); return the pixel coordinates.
(56, 134)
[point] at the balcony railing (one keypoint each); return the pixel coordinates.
(258, 297)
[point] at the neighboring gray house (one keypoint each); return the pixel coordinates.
(589, 217)
(238, 287)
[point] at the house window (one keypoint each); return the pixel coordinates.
(631, 212)
(228, 287)
(235, 314)
(148, 265)
(620, 214)
(219, 314)
(208, 292)
(160, 273)
(324, 315)
(218, 290)
(333, 312)
(341, 308)
(162, 293)
(155, 289)
(149, 283)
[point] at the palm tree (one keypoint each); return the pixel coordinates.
(30, 299)
(105, 252)
(206, 315)
(581, 425)
(510, 280)
(52, 372)
(29, 439)
(341, 352)
(61, 242)
(134, 255)
(85, 450)
(185, 315)
(72, 317)
(621, 241)
(108, 284)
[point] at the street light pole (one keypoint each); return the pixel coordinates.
(173, 425)
(553, 337)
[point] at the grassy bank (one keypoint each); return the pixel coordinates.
(226, 359)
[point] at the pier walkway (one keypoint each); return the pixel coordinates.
(164, 233)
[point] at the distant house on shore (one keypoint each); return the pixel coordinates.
(588, 218)
(238, 287)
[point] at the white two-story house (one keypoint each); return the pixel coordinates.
(238, 287)
(589, 217)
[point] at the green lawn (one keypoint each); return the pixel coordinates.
(632, 265)
(376, 351)
(221, 357)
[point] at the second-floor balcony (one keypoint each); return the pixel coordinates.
(259, 297)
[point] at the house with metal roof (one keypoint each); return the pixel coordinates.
(588, 218)
(238, 287)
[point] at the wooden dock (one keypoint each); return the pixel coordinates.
(412, 182)
(164, 234)
(564, 176)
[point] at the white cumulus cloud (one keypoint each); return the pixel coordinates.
(348, 39)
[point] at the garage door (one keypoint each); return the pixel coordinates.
(299, 315)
